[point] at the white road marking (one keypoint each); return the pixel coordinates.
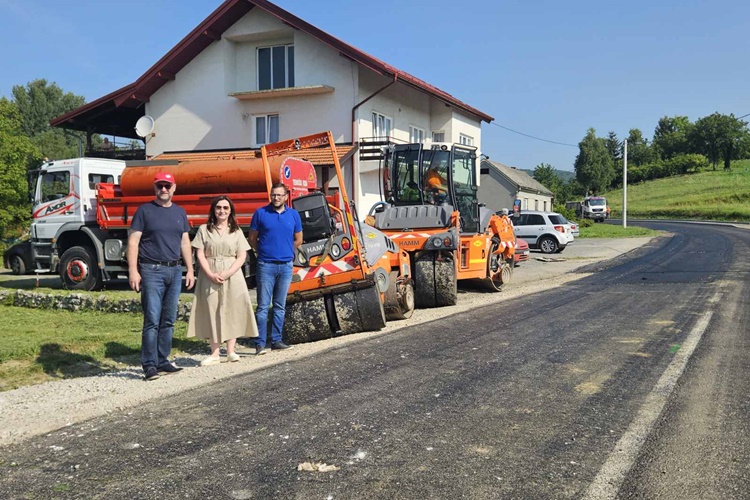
(608, 481)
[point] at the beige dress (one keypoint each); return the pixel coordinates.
(221, 312)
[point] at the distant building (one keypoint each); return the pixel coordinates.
(500, 185)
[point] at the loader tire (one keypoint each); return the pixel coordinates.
(359, 311)
(446, 286)
(306, 321)
(435, 282)
(399, 299)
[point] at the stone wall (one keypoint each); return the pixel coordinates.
(80, 302)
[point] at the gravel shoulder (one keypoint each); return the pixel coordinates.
(35, 410)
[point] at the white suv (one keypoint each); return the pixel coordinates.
(547, 231)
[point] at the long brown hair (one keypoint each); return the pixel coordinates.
(231, 222)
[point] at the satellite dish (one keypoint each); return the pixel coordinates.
(144, 126)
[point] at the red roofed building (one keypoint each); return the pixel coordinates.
(252, 73)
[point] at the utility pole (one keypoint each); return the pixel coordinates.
(625, 184)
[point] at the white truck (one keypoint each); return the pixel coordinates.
(65, 236)
(595, 208)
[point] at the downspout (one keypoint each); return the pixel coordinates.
(354, 121)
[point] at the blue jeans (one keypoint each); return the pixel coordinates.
(273, 284)
(160, 294)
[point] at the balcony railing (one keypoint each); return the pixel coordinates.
(118, 153)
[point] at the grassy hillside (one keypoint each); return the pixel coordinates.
(710, 195)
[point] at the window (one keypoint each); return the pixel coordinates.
(416, 134)
(95, 179)
(536, 204)
(381, 126)
(545, 206)
(525, 203)
(275, 67)
(535, 220)
(55, 186)
(266, 129)
(465, 140)
(438, 136)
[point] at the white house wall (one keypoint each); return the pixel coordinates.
(195, 112)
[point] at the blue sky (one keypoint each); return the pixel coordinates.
(547, 68)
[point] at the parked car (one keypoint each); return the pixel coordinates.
(547, 231)
(18, 258)
(575, 229)
(522, 251)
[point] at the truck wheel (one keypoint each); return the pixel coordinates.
(548, 245)
(79, 269)
(17, 265)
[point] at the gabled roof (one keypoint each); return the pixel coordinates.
(115, 105)
(521, 179)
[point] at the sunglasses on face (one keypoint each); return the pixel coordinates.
(222, 207)
(161, 186)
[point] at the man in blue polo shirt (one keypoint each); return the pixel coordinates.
(275, 233)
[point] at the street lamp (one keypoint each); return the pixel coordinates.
(625, 184)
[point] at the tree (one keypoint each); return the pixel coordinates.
(639, 151)
(545, 175)
(16, 152)
(39, 102)
(720, 137)
(614, 146)
(671, 136)
(593, 166)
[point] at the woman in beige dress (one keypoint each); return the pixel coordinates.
(221, 310)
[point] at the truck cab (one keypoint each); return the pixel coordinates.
(64, 202)
(595, 208)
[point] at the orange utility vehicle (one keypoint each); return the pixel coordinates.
(431, 210)
(347, 278)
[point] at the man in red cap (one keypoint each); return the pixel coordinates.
(159, 235)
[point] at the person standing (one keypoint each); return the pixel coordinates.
(275, 234)
(159, 235)
(221, 309)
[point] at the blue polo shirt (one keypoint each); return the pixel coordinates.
(276, 233)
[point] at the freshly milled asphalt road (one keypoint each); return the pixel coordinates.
(524, 399)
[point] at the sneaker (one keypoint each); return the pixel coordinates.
(280, 346)
(170, 368)
(259, 349)
(233, 357)
(151, 373)
(211, 360)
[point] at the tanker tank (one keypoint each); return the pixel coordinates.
(204, 177)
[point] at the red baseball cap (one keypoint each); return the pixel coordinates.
(164, 177)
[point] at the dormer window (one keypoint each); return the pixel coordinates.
(275, 67)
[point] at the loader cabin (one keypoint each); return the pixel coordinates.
(443, 174)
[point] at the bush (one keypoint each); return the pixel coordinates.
(684, 164)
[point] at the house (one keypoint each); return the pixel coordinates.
(500, 186)
(252, 73)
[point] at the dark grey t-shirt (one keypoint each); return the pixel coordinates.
(162, 229)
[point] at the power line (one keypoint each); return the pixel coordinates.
(532, 137)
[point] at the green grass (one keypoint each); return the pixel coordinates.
(615, 231)
(710, 195)
(38, 345)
